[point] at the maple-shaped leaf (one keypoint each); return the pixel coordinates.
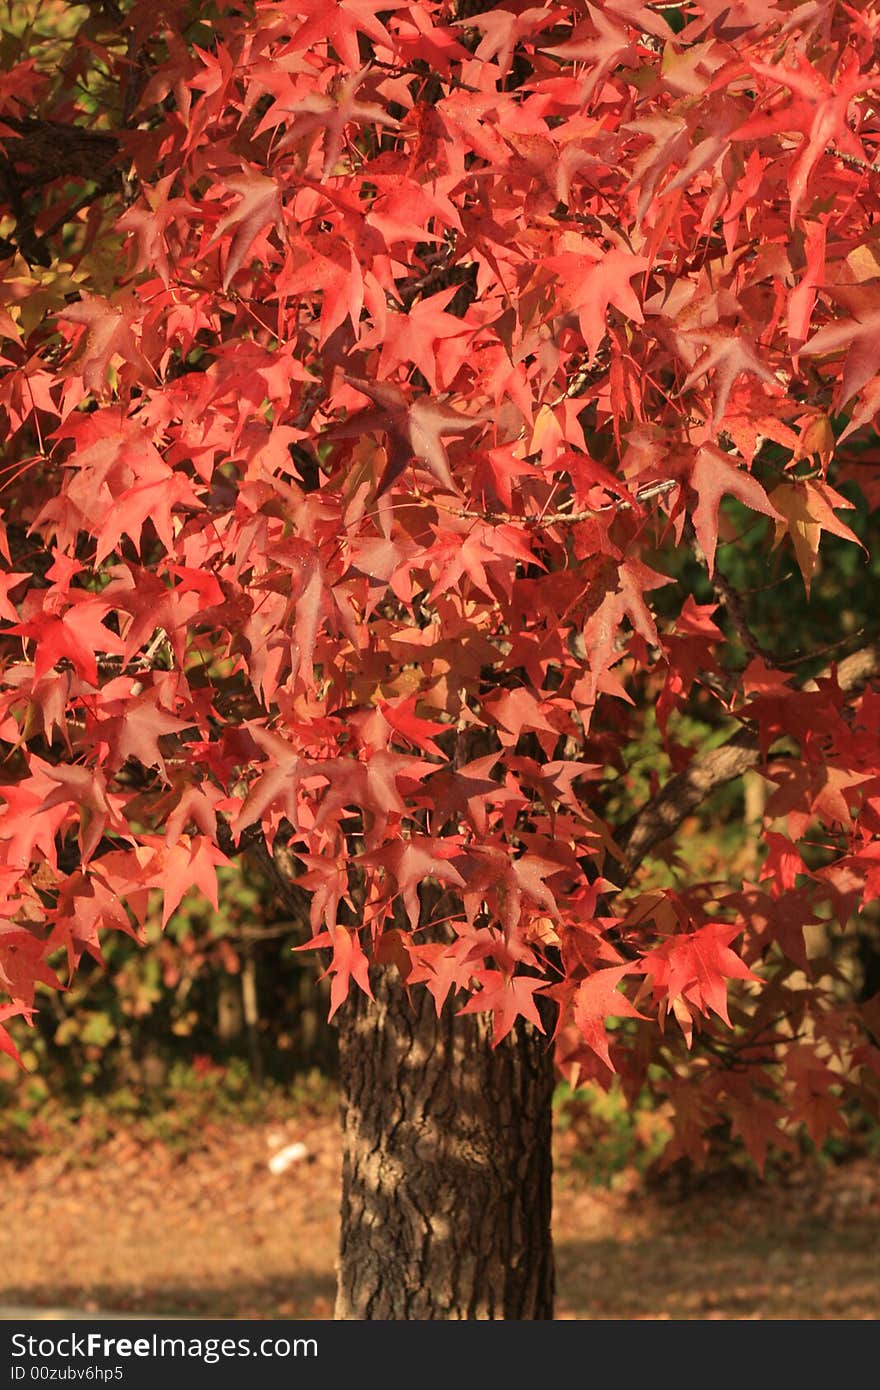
(597, 999)
(589, 283)
(327, 881)
(331, 268)
(279, 787)
(134, 725)
(401, 715)
(411, 862)
(809, 790)
(190, 863)
(626, 598)
(85, 790)
(197, 803)
(858, 336)
(148, 222)
(416, 429)
(308, 592)
(755, 1119)
(144, 603)
(22, 963)
(27, 829)
(601, 42)
(8, 581)
(412, 338)
(443, 966)
(467, 792)
(802, 299)
(7, 1046)
(328, 113)
(259, 207)
(697, 965)
(812, 1100)
(371, 786)
(416, 36)
(778, 921)
(518, 709)
(502, 30)
(506, 998)
(478, 553)
(819, 109)
(806, 507)
(77, 634)
(117, 481)
(109, 333)
(714, 476)
(338, 22)
(348, 963)
(727, 356)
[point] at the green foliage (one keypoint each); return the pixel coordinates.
(613, 1138)
(130, 1028)
(184, 1114)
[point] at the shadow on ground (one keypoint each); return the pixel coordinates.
(133, 1228)
(303, 1294)
(809, 1272)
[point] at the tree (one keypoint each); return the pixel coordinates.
(390, 392)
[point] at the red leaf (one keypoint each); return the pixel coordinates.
(713, 477)
(348, 963)
(507, 999)
(697, 966)
(596, 1000)
(259, 207)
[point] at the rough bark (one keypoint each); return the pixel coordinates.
(446, 1163)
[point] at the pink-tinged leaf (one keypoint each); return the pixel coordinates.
(507, 999)
(339, 22)
(348, 963)
(259, 207)
(416, 428)
(727, 357)
(190, 863)
(7, 1046)
(714, 477)
(597, 999)
(108, 333)
(697, 965)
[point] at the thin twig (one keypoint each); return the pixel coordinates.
(732, 602)
(569, 518)
(855, 160)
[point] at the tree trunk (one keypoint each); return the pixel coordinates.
(446, 1163)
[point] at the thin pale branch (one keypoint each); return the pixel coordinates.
(854, 160)
(569, 518)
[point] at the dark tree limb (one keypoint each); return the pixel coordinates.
(36, 154)
(664, 813)
(41, 151)
(732, 602)
(253, 841)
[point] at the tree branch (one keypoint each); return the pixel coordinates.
(732, 602)
(252, 840)
(568, 518)
(665, 812)
(854, 161)
(35, 154)
(42, 151)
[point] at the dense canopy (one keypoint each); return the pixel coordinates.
(373, 378)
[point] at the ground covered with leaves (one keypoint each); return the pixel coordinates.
(144, 1218)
